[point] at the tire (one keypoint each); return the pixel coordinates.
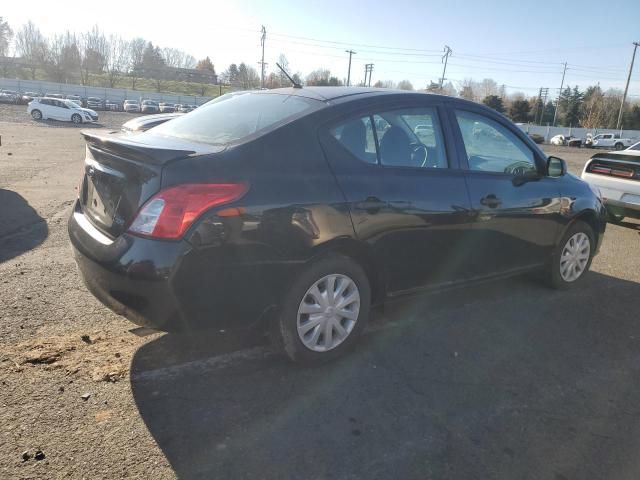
(614, 217)
(347, 275)
(76, 118)
(618, 146)
(555, 276)
(36, 114)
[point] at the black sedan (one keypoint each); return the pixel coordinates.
(299, 209)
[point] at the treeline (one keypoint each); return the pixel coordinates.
(588, 108)
(95, 58)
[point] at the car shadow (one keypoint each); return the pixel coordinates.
(21, 228)
(631, 224)
(504, 380)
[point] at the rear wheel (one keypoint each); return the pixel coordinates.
(76, 118)
(619, 146)
(572, 257)
(324, 311)
(36, 114)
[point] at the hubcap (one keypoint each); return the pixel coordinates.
(328, 312)
(575, 257)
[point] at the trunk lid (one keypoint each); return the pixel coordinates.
(121, 174)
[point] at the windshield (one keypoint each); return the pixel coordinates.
(232, 117)
(71, 104)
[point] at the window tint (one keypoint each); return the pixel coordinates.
(356, 135)
(491, 147)
(405, 138)
(233, 117)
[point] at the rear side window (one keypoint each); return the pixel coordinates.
(356, 135)
(395, 138)
(233, 117)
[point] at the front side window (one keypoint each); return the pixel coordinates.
(492, 147)
(395, 138)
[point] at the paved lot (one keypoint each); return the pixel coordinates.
(508, 380)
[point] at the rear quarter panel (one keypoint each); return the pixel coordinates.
(293, 209)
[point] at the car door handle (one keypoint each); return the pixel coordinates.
(491, 201)
(371, 205)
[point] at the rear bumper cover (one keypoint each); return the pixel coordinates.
(170, 285)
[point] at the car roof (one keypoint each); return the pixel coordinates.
(330, 93)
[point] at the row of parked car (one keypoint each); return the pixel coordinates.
(96, 103)
(603, 140)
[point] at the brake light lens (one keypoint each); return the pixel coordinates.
(169, 213)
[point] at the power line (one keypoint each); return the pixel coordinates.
(354, 44)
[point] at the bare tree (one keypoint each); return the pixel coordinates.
(6, 34)
(136, 57)
(487, 87)
(118, 59)
(63, 57)
(32, 46)
(93, 52)
(385, 84)
(405, 85)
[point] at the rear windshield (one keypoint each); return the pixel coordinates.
(233, 117)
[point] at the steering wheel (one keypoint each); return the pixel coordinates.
(419, 154)
(518, 169)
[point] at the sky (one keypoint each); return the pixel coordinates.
(522, 45)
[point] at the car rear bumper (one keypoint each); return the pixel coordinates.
(171, 286)
(617, 193)
(129, 275)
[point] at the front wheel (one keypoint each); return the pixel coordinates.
(324, 311)
(572, 257)
(36, 114)
(76, 118)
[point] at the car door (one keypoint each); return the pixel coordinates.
(406, 194)
(516, 206)
(59, 111)
(44, 105)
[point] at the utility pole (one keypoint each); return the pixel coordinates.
(555, 114)
(543, 94)
(445, 59)
(263, 38)
(350, 52)
(368, 68)
(626, 88)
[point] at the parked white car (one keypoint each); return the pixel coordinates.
(60, 109)
(617, 176)
(131, 106)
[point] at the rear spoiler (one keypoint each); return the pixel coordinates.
(120, 146)
(626, 157)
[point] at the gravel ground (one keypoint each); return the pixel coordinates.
(508, 380)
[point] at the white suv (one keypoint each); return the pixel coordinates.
(60, 109)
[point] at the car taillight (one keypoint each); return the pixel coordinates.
(169, 213)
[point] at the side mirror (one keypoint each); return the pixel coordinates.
(556, 167)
